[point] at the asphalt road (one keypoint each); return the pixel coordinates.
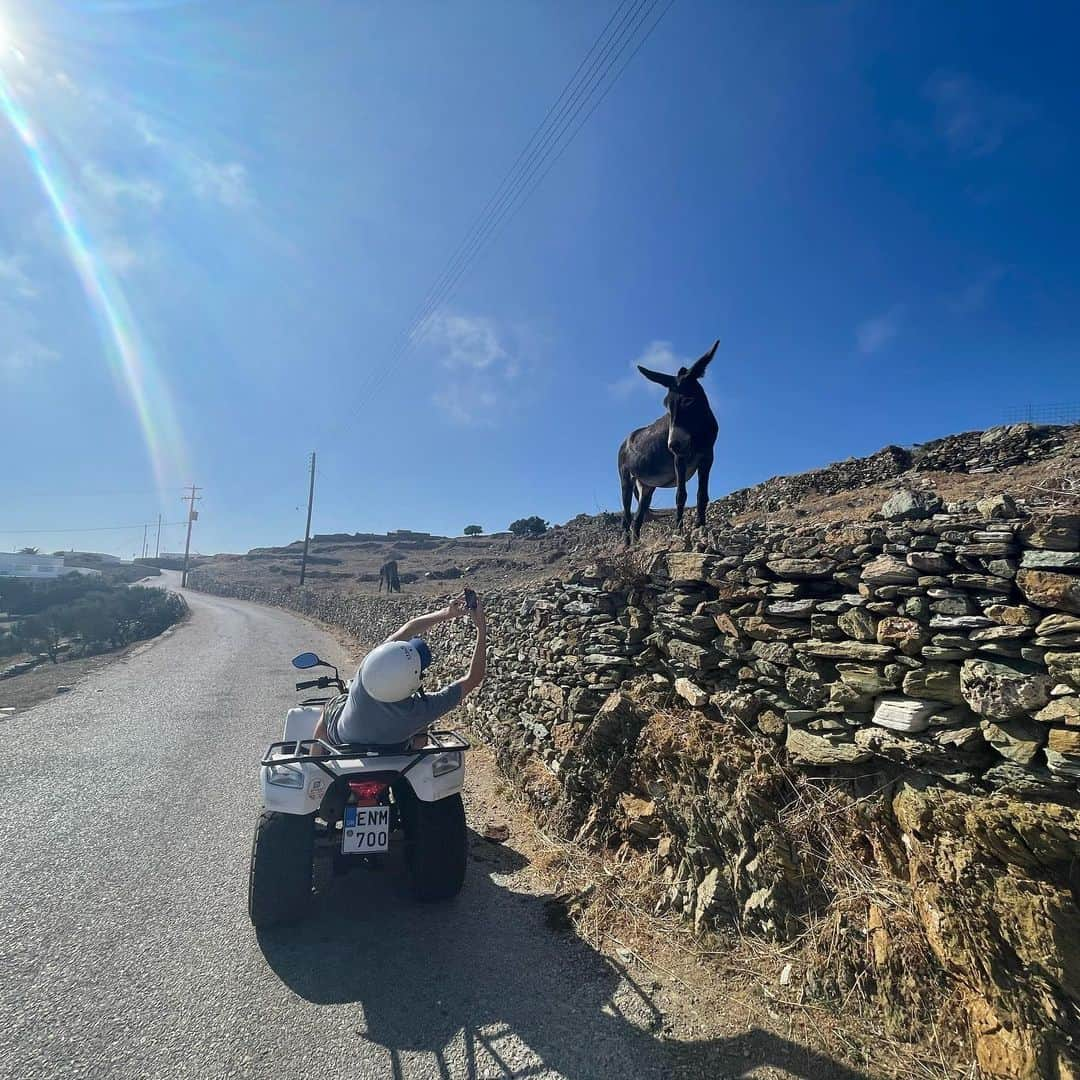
(126, 812)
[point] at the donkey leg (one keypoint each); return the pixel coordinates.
(627, 482)
(680, 490)
(703, 490)
(644, 494)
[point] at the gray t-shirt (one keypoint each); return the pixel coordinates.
(366, 720)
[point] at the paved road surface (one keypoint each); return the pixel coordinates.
(126, 810)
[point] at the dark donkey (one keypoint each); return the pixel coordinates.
(670, 450)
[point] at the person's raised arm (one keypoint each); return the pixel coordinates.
(422, 623)
(478, 668)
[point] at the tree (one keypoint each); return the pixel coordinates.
(42, 632)
(530, 526)
(473, 530)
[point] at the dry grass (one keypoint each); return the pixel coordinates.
(864, 985)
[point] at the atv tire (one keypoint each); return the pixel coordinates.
(435, 851)
(279, 885)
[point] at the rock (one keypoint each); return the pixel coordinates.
(845, 650)
(1015, 615)
(802, 569)
(1001, 633)
(63, 689)
(1064, 667)
(1058, 624)
(888, 570)
(865, 678)
(1000, 691)
(641, 815)
(692, 694)
(692, 656)
(806, 687)
(753, 626)
(711, 894)
(929, 562)
(858, 624)
(997, 508)
(497, 833)
(1050, 560)
(960, 622)
(1017, 740)
(904, 634)
(938, 682)
(908, 505)
(1062, 710)
(980, 582)
(776, 652)
(808, 749)
(1064, 741)
(792, 609)
(770, 722)
(692, 566)
(904, 714)
(1053, 532)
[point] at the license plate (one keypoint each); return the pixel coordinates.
(366, 830)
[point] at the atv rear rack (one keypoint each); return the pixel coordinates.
(295, 754)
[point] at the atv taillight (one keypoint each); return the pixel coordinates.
(367, 792)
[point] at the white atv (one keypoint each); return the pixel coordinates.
(356, 800)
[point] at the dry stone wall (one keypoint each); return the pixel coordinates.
(918, 673)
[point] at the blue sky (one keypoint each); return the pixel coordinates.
(236, 209)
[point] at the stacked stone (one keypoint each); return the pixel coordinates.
(972, 452)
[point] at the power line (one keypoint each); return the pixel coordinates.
(96, 528)
(508, 204)
(524, 175)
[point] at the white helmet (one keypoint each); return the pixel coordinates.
(391, 672)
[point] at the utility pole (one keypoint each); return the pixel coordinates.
(157, 544)
(307, 527)
(193, 515)
(144, 540)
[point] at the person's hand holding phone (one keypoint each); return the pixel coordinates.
(475, 608)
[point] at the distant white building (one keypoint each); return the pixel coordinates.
(37, 567)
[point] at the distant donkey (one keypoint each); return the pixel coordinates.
(388, 574)
(670, 450)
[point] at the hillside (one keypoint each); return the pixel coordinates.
(1030, 461)
(830, 743)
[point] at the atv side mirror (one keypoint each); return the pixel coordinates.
(306, 660)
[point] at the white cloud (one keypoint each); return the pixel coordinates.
(20, 346)
(657, 356)
(481, 361)
(973, 298)
(223, 182)
(972, 120)
(467, 341)
(13, 278)
(115, 188)
(874, 334)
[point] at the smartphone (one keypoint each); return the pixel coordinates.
(470, 600)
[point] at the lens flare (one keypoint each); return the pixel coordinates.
(128, 359)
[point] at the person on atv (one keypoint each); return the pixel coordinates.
(385, 704)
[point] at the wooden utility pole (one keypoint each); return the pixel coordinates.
(193, 515)
(144, 528)
(157, 544)
(307, 527)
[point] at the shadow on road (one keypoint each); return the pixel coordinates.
(483, 974)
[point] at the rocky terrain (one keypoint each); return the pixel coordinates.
(1035, 459)
(856, 734)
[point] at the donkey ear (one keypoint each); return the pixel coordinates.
(658, 377)
(700, 365)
